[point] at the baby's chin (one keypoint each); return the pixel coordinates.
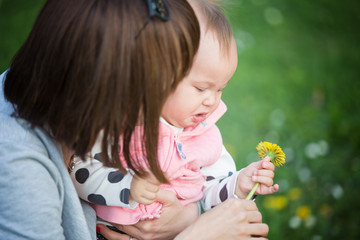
(188, 123)
(192, 125)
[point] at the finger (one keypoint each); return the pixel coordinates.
(263, 190)
(152, 187)
(264, 173)
(256, 165)
(165, 197)
(131, 230)
(247, 205)
(258, 229)
(266, 159)
(145, 201)
(110, 234)
(275, 188)
(254, 217)
(267, 165)
(149, 195)
(263, 180)
(147, 198)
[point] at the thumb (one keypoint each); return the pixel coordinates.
(166, 197)
(266, 159)
(259, 164)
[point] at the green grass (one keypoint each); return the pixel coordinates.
(16, 20)
(297, 85)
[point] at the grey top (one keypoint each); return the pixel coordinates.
(37, 197)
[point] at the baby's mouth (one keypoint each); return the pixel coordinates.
(200, 117)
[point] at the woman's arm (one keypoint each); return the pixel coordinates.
(30, 202)
(232, 219)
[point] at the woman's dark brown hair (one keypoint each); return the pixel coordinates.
(83, 70)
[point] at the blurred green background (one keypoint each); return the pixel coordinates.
(297, 85)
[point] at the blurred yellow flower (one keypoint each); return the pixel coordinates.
(294, 194)
(275, 202)
(277, 156)
(303, 212)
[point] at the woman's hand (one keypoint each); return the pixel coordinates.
(174, 219)
(233, 219)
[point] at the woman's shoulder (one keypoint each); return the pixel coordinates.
(17, 134)
(22, 147)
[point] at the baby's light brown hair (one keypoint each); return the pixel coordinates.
(211, 15)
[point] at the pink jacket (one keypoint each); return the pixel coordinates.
(180, 156)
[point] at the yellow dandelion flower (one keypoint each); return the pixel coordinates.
(277, 157)
(303, 212)
(295, 194)
(275, 202)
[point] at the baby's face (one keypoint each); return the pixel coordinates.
(199, 93)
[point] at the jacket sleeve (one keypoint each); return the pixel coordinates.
(102, 185)
(221, 178)
(26, 212)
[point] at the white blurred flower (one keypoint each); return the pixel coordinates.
(310, 221)
(244, 40)
(337, 191)
(290, 154)
(324, 147)
(316, 237)
(277, 117)
(294, 222)
(304, 174)
(272, 136)
(316, 149)
(273, 16)
(283, 184)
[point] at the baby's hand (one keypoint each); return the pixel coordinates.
(262, 172)
(144, 190)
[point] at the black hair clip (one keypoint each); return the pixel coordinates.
(157, 8)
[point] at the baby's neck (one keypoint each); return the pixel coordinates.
(176, 129)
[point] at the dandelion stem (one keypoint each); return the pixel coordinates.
(253, 190)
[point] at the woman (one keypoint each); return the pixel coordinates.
(93, 67)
